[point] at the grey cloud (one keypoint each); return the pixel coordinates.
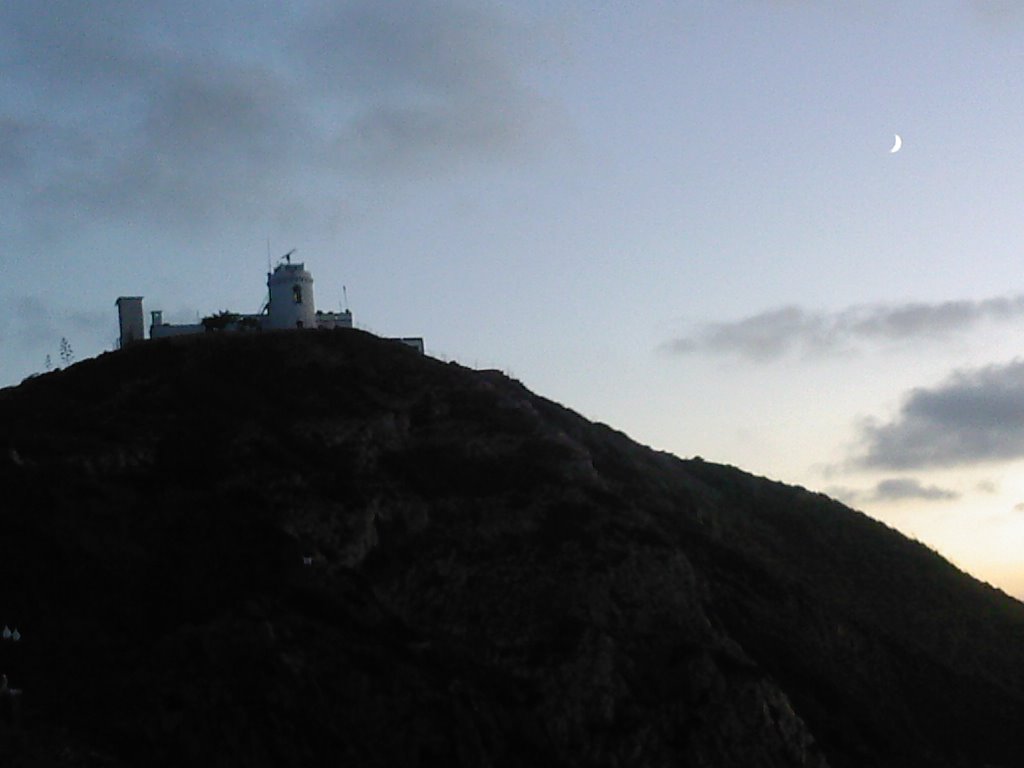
(29, 322)
(974, 417)
(894, 489)
(89, 321)
(15, 136)
(776, 333)
(65, 45)
(987, 486)
(761, 337)
(997, 12)
(920, 320)
(900, 488)
(241, 113)
(398, 138)
(397, 47)
(209, 145)
(422, 84)
(141, 114)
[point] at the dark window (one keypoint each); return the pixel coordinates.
(297, 294)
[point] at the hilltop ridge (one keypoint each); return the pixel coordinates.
(322, 548)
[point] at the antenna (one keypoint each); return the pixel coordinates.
(344, 293)
(266, 305)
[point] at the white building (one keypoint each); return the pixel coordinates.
(129, 315)
(331, 320)
(290, 305)
(158, 329)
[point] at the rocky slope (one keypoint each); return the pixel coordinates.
(308, 549)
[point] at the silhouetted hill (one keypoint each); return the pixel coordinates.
(492, 580)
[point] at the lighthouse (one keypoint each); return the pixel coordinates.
(291, 297)
(289, 305)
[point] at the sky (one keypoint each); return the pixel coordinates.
(681, 218)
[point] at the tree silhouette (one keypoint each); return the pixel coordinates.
(67, 355)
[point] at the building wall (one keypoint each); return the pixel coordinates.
(165, 330)
(332, 320)
(415, 342)
(129, 315)
(291, 298)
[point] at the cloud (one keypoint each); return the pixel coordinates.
(900, 488)
(14, 135)
(975, 417)
(997, 13)
(178, 116)
(423, 84)
(894, 489)
(761, 337)
(792, 330)
(29, 323)
(987, 486)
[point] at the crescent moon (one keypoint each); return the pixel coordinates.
(896, 144)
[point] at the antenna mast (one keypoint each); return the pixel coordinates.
(266, 305)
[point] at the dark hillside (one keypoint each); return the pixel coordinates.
(491, 581)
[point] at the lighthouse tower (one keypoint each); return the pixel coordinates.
(291, 297)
